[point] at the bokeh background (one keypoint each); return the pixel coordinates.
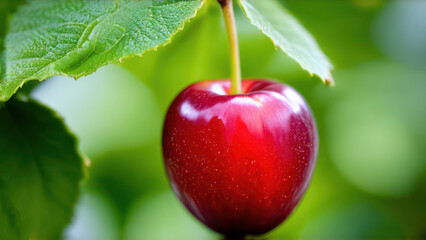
(369, 182)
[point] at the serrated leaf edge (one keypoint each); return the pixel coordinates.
(120, 60)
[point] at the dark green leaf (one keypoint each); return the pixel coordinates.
(76, 37)
(40, 171)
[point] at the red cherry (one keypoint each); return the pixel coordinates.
(239, 163)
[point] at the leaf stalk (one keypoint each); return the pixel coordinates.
(231, 28)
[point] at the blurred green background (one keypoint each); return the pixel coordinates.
(369, 182)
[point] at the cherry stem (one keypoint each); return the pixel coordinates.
(231, 28)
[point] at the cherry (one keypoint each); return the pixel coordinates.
(239, 163)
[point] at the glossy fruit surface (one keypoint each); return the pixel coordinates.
(239, 163)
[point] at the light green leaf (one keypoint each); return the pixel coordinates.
(40, 171)
(76, 37)
(289, 35)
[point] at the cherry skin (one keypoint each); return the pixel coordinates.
(239, 163)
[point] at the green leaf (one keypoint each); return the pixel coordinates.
(40, 171)
(197, 53)
(76, 37)
(6, 8)
(288, 34)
